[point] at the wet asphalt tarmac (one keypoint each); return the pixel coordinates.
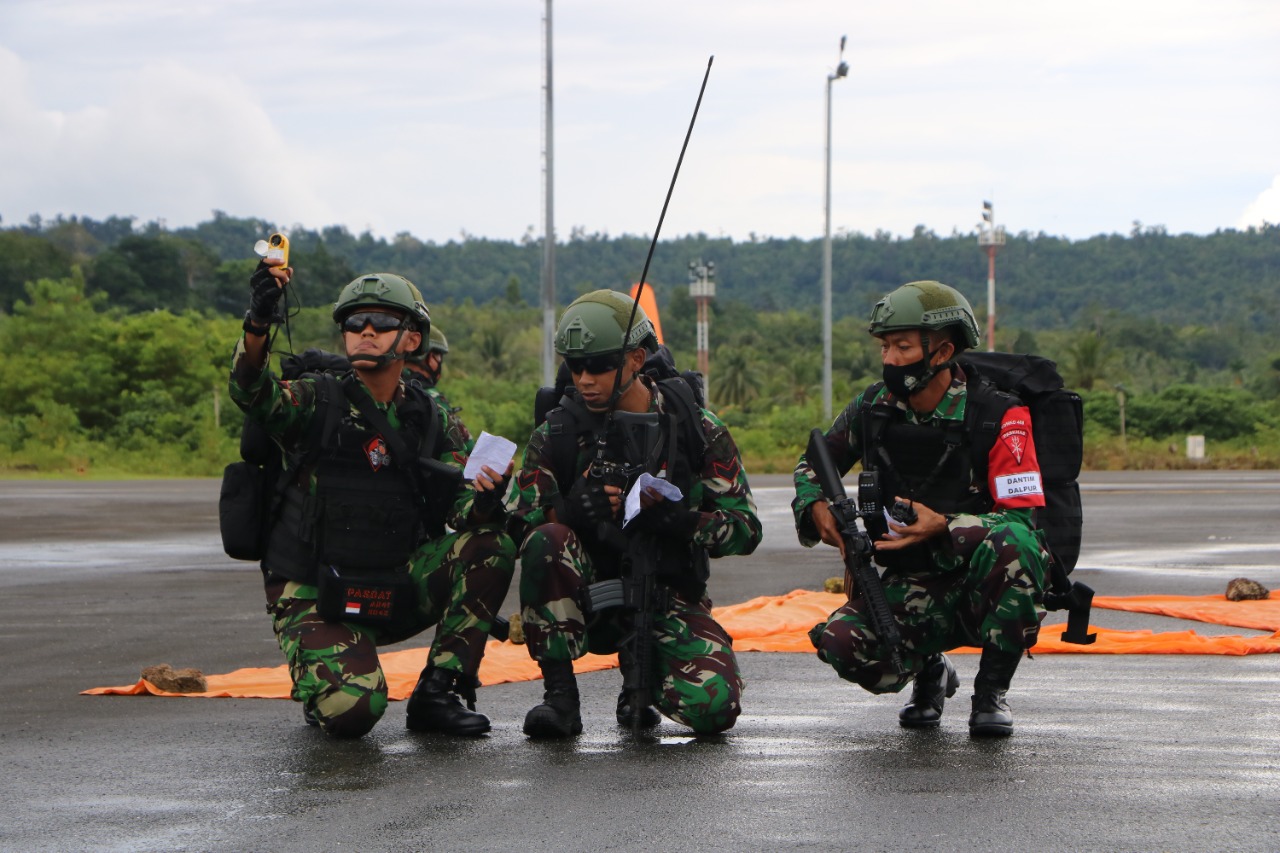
(1151, 752)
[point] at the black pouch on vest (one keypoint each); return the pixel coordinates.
(241, 508)
(382, 599)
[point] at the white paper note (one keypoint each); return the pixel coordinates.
(492, 450)
(668, 490)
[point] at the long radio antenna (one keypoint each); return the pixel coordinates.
(653, 244)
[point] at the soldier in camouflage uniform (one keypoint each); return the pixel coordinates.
(425, 368)
(971, 569)
(569, 521)
(357, 524)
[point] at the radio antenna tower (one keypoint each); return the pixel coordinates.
(991, 238)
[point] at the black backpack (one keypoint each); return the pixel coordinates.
(247, 500)
(1057, 425)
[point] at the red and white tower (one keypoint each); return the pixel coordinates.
(702, 288)
(991, 238)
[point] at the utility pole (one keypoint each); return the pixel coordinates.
(549, 237)
(702, 287)
(991, 238)
(842, 69)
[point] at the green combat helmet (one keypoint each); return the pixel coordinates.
(385, 290)
(436, 342)
(924, 305)
(594, 325)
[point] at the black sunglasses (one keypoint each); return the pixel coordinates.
(355, 323)
(594, 364)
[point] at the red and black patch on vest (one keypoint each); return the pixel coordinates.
(376, 452)
(527, 479)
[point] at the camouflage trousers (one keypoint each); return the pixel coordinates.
(695, 673)
(994, 597)
(461, 580)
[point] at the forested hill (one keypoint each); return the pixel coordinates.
(1229, 279)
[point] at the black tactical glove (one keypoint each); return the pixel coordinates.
(668, 519)
(264, 295)
(488, 503)
(586, 506)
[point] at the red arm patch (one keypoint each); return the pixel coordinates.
(1013, 472)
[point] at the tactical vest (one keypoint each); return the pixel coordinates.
(938, 466)
(681, 452)
(370, 511)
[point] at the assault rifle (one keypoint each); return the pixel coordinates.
(858, 548)
(637, 589)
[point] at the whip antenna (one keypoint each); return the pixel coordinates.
(653, 244)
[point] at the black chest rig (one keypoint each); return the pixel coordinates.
(670, 444)
(932, 465)
(372, 507)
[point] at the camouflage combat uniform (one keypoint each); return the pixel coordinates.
(457, 429)
(696, 679)
(982, 585)
(461, 579)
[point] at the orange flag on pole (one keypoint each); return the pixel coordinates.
(650, 306)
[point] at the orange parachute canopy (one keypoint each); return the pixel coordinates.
(650, 306)
(780, 623)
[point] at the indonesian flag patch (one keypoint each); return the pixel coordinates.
(353, 608)
(1015, 438)
(376, 451)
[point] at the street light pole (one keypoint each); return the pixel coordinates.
(842, 69)
(549, 237)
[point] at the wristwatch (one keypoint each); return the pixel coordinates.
(253, 328)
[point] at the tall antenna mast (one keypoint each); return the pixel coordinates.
(548, 221)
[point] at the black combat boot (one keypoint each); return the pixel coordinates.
(435, 706)
(991, 715)
(649, 716)
(559, 715)
(934, 684)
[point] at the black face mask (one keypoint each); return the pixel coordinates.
(903, 380)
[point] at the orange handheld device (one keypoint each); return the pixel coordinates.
(278, 249)
(274, 248)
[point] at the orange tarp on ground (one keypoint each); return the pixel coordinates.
(781, 624)
(1263, 615)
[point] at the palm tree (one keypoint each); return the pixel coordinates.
(1090, 357)
(733, 381)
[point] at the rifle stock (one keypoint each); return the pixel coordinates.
(858, 549)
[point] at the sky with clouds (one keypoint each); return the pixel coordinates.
(425, 116)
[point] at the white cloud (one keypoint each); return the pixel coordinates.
(424, 115)
(1264, 209)
(168, 143)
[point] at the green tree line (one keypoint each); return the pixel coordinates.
(90, 388)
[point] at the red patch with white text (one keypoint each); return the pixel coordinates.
(1015, 438)
(376, 451)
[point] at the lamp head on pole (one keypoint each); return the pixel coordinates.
(842, 69)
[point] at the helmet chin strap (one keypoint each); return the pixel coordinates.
(933, 370)
(380, 361)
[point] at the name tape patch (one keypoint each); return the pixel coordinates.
(1017, 485)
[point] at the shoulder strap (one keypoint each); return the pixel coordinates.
(324, 422)
(984, 408)
(690, 418)
(564, 424)
(875, 420)
(378, 420)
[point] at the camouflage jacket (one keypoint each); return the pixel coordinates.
(285, 409)
(729, 524)
(845, 438)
